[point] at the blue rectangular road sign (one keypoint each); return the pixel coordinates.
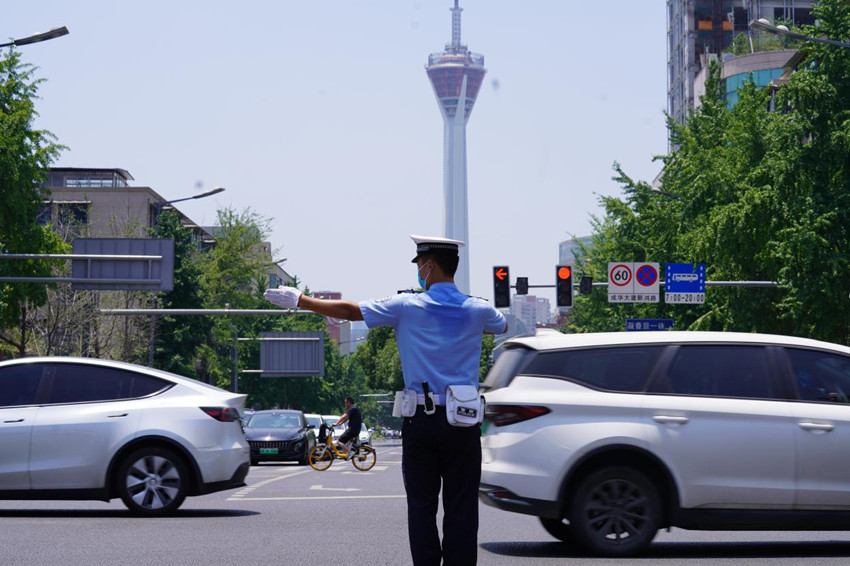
(642, 324)
(684, 278)
(684, 283)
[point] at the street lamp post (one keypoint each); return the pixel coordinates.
(163, 204)
(38, 37)
(782, 30)
(159, 207)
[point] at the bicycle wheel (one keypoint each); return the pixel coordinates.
(364, 458)
(320, 458)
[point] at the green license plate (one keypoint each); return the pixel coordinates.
(268, 450)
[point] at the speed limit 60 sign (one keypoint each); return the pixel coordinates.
(632, 282)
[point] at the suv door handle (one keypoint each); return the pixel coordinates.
(669, 419)
(14, 421)
(816, 427)
(116, 416)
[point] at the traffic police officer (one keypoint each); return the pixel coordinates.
(438, 333)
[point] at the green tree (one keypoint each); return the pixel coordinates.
(379, 361)
(810, 172)
(179, 338)
(25, 155)
(234, 273)
(754, 194)
(486, 362)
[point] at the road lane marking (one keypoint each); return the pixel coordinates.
(358, 472)
(323, 488)
(317, 497)
(343, 470)
(244, 491)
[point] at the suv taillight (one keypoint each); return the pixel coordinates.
(223, 414)
(501, 415)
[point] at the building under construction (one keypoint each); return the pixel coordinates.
(699, 28)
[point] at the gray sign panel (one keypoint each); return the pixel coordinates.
(146, 264)
(292, 354)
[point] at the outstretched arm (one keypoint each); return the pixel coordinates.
(290, 298)
(347, 310)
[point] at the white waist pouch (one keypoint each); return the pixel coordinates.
(464, 405)
(405, 403)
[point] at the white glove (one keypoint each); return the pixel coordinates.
(286, 297)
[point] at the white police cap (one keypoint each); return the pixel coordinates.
(435, 245)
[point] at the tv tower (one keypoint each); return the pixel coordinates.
(456, 75)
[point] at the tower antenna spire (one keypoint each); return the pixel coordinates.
(456, 75)
(456, 25)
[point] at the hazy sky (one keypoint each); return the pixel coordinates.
(320, 116)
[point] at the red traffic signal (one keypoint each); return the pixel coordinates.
(564, 285)
(501, 286)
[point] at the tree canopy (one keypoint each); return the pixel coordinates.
(25, 156)
(755, 194)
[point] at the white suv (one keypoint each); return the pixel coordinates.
(81, 428)
(609, 437)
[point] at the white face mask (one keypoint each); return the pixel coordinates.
(423, 281)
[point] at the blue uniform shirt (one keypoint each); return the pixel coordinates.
(438, 334)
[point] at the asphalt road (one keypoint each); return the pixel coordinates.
(293, 515)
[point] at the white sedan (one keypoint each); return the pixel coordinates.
(83, 428)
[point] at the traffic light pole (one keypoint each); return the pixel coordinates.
(661, 284)
(565, 285)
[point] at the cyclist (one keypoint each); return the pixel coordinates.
(354, 418)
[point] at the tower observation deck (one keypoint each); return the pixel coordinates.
(456, 75)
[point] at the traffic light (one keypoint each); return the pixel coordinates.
(501, 286)
(564, 285)
(585, 284)
(522, 285)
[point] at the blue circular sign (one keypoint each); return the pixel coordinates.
(647, 275)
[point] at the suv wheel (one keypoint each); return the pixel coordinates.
(153, 481)
(559, 529)
(615, 511)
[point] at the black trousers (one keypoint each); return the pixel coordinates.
(437, 454)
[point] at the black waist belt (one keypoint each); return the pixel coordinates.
(420, 409)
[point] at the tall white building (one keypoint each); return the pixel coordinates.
(568, 249)
(456, 75)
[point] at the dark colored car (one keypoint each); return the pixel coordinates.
(279, 436)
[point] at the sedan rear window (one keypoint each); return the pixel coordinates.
(78, 383)
(613, 369)
(19, 385)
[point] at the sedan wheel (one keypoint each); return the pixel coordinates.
(305, 458)
(615, 512)
(153, 481)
